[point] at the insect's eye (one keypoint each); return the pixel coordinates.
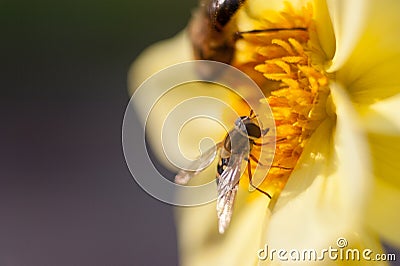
(253, 130)
(221, 11)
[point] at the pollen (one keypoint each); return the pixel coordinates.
(283, 63)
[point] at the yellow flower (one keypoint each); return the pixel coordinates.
(341, 76)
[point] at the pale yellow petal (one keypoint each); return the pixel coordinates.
(348, 20)
(325, 195)
(324, 28)
(201, 244)
(380, 81)
(159, 56)
(383, 215)
(383, 116)
(385, 151)
(371, 73)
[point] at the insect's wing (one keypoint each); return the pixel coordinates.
(227, 188)
(205, 159)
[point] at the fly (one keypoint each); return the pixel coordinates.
(232, 152)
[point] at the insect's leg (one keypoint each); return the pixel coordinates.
(272, 166)
(256, 160)
(251, 180)
(282, 168)
(266, 143)
(239, 34)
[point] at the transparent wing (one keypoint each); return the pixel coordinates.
(227, 188)
(205, 159)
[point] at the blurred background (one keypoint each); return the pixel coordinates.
(66, 195)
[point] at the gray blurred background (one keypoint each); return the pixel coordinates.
(66, 195)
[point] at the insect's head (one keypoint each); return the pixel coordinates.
(249, 127)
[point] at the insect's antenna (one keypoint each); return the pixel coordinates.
(265, 131)
(269, 142)
(239, 34)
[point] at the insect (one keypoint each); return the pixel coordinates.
(212, 34)
(232, 152)
(209, 32)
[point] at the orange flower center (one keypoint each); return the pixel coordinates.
(284, 65)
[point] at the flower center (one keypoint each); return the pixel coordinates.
(286, 65)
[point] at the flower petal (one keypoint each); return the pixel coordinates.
(367, 86)
(385, 197)
(201, 244)
(382, 214)
(382, 117)
(159, 56)
(385, 150)
(324, 28)
(371, 73)
(348, 19)
(328, 185)
(382, 122)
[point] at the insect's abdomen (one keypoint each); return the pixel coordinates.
(221, 12)
(222, 164)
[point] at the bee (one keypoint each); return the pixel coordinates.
(212, 34)
(235, 149)
(209, 30)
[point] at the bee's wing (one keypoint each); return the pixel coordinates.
(205, 159)
(227, 188)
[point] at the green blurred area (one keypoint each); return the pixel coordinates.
(49, 34)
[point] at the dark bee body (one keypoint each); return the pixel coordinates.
(211, 37)
(221, 12)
